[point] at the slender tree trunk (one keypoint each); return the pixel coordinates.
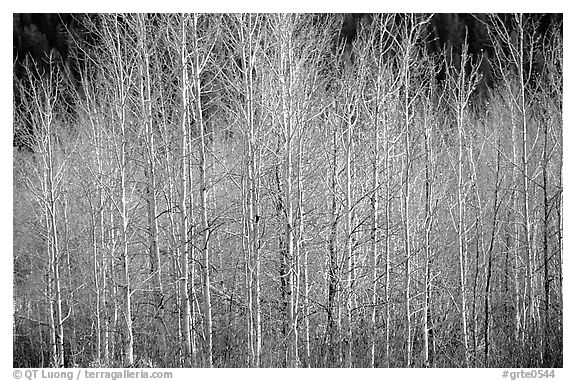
(333, 271)
(248, 41)
(248, 270)
(387, 244)
(104, 258)
(306, 311)
(480, 251)
(121, 104)
(154, 249)
(71, 291)
(125, 263)
(99, 246)
(249, 278)
(283, 264)
(406, 203)
(113, 285)
(463, 254)
(301, 250)
(205, 228)
(516, 239)
(54, 357)
(374, 249)
(524, 171)
(348, 232)
(58, 326)
(255, 245)
(375, 226)
(194, 262)
(487, 297)
(189, 356)
(51, 206)
(40, 334)
(285, 52)
(105, 275)
(427, 228)
(546, 334)
(97, 291)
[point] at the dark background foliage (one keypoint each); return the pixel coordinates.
(38, 35)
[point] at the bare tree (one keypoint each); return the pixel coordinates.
(145, 94)
(186, 318)
(410, 32)
(461, 89)
(41, 97)
(198, 65)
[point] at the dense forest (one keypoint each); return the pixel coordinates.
(288, 190)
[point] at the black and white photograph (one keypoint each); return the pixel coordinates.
(287, 190)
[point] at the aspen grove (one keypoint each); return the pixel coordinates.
(257, 190)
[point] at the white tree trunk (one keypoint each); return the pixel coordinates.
(203, 193)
